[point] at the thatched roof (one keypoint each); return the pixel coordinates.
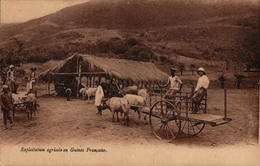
(120, 68)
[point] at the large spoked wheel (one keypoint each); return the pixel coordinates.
(191, 127)
(164, 120)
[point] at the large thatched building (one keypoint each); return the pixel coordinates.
(125, 72)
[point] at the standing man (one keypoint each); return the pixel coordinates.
(99, 97)
(200, 90)
(32, 78)
(6, 103)
(11, 79)
(174, 82)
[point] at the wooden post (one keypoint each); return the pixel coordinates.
(225, 104)
(89, 81)
(91, 78)
(48, 88)
(206, 102)
(187, 104)
(79, 75)
(99, 79)
(93, 81)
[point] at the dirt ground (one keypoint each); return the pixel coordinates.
(75, 122)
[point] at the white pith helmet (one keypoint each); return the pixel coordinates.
(201, 69)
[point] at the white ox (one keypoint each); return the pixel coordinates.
(137, 103)
(116, 105)
(91, 92)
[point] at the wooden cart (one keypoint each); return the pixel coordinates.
(172, 118)
(27, 105)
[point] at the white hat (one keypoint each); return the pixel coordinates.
(5, 86)
(11, 66)
(201, 69)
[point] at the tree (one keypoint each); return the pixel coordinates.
(192, 68)
(248, 67)
(18, 51)
(181, 68)
(239, 78)
(222, 80)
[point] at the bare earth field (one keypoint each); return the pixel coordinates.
(75, 122)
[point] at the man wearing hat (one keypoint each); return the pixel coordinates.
(201, 89)
(174, 82)
(11, 79)
(6, 103)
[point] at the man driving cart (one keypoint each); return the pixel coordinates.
(175, 84)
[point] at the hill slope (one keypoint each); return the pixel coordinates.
(211, 31)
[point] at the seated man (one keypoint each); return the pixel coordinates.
(200, 90)
(175, 84)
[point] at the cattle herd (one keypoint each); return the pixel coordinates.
(128, 99)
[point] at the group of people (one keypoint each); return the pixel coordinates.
(10, 86)
(107, 89)
(175, 86)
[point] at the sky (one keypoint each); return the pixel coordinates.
(14, 11)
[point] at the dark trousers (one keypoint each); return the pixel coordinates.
(12, 87)
(197, 98)
(6, 116)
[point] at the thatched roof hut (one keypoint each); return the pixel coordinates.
(119, 68)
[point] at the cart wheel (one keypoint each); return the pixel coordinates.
(191, 128)
(164, 121)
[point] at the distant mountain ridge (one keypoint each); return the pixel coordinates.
(218, 31)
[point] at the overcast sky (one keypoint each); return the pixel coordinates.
(13, 11)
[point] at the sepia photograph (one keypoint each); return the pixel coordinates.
(129, 82)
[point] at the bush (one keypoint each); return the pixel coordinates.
(102, 47)
(39, 58)
(163, 58)
(117, 46)
(132, 42)
(140, 52)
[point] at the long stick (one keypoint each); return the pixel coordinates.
(225, 103)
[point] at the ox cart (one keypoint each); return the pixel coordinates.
(170, 117)
(25, 103)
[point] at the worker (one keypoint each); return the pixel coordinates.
(175, 84)
(99, 97)
(200, 90)
(11, 79)
(6, 103)
(32, 78)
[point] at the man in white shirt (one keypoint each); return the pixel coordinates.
(200, 90)
(11, 79)
(175, 84)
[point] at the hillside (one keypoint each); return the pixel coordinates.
(142, 30)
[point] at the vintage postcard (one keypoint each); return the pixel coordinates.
(129, 82)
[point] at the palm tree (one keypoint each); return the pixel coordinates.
(181, 68)
(222, 80)
(239, 78)
(192, 68)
